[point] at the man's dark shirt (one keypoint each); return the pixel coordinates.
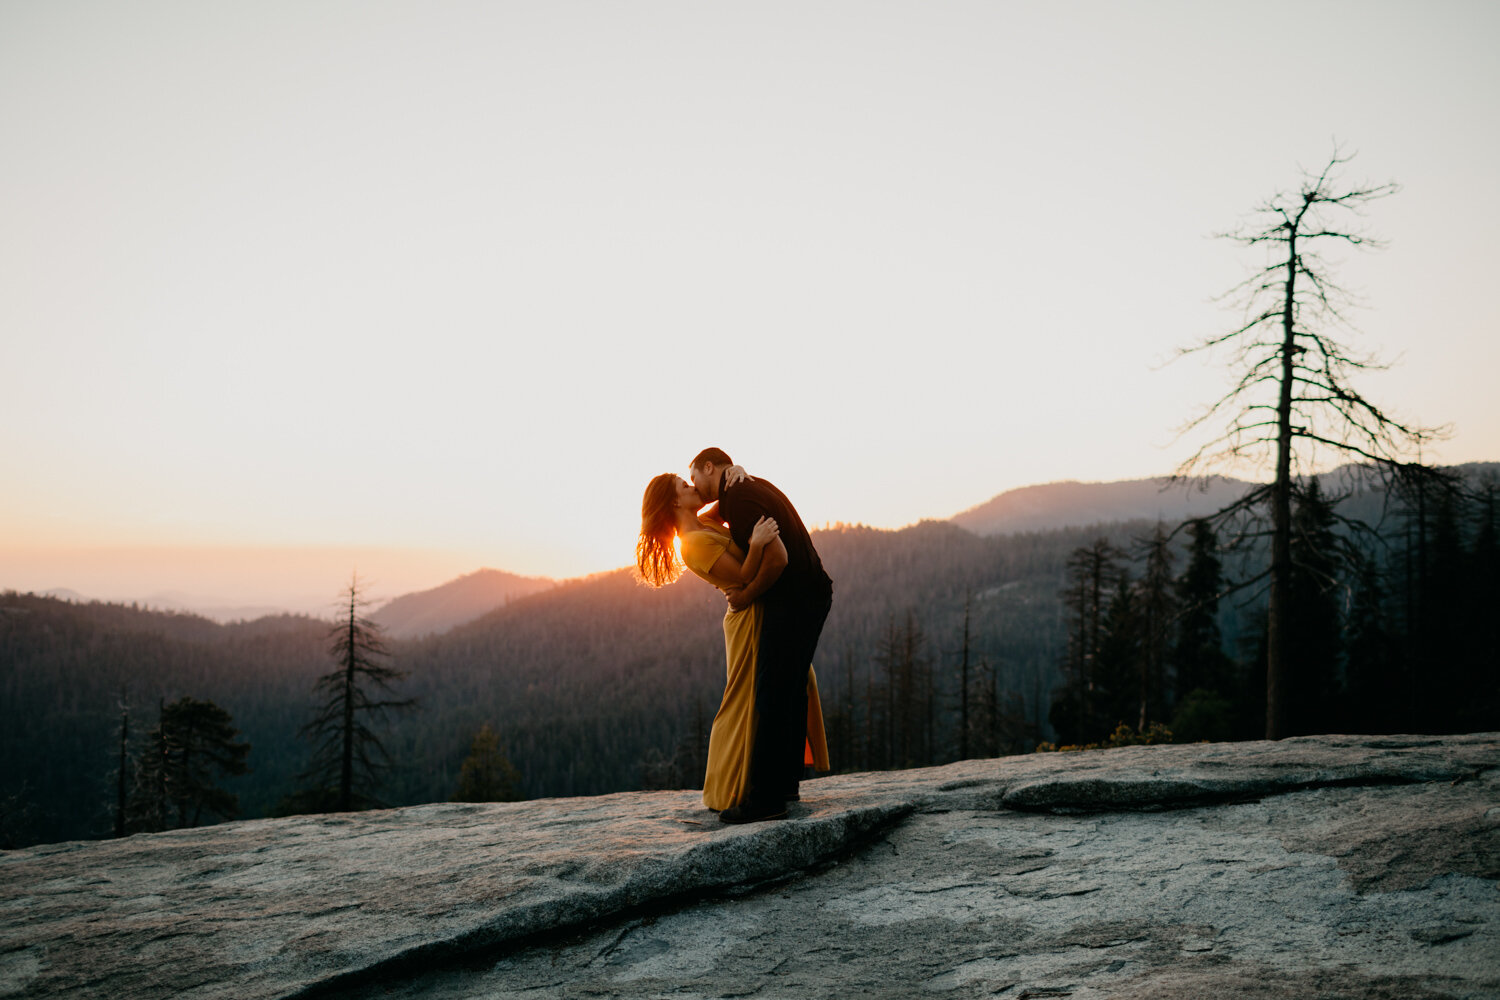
(743, 504)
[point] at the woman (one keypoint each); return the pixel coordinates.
(669, 511)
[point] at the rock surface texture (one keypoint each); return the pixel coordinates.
(1336, 866)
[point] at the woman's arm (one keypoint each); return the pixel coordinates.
(775, 560)
(765, 536)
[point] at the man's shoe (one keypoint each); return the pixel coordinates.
(753, 813)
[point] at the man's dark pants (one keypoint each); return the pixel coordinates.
(790, 627)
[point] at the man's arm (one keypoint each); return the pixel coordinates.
(740, 508)
(772, 561)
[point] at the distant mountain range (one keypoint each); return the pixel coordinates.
(1071, 504)
(454, 603)
(587, 680)
(205, 607)
(1045, 507)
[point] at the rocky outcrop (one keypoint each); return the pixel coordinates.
(1328, 866)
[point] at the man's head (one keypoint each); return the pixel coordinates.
(706, 468)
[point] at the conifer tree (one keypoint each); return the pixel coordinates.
(963, 688)
(487, 775)
(1158, 611)
(122, 768)
(1314, 620)
(1449, 621)
(1482, 657)
(851, 751)
(204, 745)
(1432, 563)
(192, 744)
(148, 806)
(1114, 700)
(1197, 656)
(984, 712)
(348, 757)
(908, 694)
(1378, 694)
(1094, 571)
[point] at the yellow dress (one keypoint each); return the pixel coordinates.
(733, 732)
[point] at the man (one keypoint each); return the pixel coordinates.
(795, 595)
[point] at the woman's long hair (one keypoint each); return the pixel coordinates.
(655, 556)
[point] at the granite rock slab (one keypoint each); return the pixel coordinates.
(1336, 865)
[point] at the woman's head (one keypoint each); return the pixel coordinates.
(655, 557)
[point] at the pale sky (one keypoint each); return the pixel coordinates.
(452, 281)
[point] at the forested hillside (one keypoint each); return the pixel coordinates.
(64, 668)
(601, 684)
(584, 682)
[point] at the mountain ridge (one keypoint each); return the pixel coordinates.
(1062, 504)
(1072, 503)
(457, 602)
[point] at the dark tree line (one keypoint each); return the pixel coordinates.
(1387, 630)
(911, 703)
(584, 685)
(1428, 635)
(941, 644)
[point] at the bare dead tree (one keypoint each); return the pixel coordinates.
(1293, 402)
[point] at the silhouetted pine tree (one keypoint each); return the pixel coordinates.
(203, 740)
(849, 747)
(122, 768)
(1314, 622)
(1158, 611)
(1482, 658)
(487, 775)
(1446, 643)
(348, 757)
(901, 709)
(1116, 688)
(888, 659)
(1197, 656)
(1013, 731)
(149, 800)
(1434, 596)
(1379, 692)
(1094, 571)
(963, 686)
(193, 743)
(984, 712)
(997, 718)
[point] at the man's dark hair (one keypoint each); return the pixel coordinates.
(714, 455)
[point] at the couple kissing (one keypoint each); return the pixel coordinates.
(742, 535)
